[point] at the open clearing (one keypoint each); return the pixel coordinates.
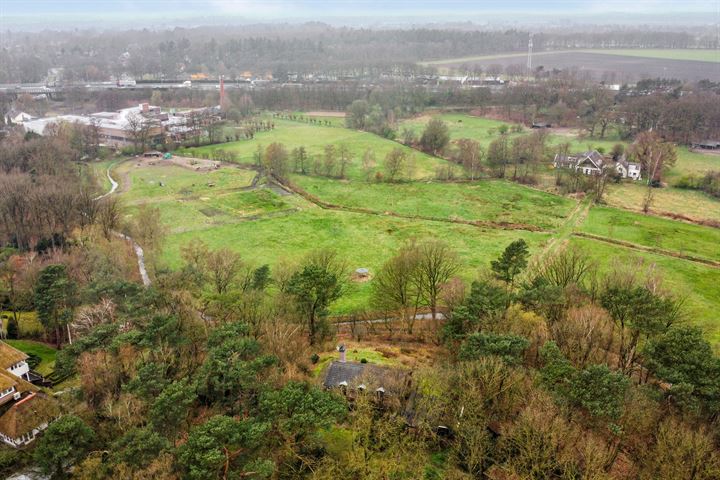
(314, 138)
(362, 240)
(613, 66)
(693, 205)
(488, 200)
(231, 207)
(654, 232)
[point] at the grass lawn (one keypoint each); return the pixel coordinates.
(692, 163)
(314, 138)
(698, 284)
(488, 200)
(45, 352)
(654, 232)
(354, 355)
(362, 240)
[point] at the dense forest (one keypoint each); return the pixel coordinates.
(279, 49)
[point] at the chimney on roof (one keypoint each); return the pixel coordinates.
(341, 349)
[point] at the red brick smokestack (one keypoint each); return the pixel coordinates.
(222, 91)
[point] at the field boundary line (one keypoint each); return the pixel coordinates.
(476, 223)
(655, 250)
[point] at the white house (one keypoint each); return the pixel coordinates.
(16, 117)
(628, 169)
(594, 163)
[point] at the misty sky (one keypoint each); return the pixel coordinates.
(147, 11)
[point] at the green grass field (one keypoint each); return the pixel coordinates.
(266, 227)
(654, 232)
(699, 285)
(362, 240)
(488, 200)
(191, 200)
(314, 138)
(483, 130)
(45, 352)
(627, 195)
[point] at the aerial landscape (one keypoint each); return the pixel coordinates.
(363, 240)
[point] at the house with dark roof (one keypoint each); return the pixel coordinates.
(352, 378)
(593, 162)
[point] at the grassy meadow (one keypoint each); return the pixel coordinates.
(697, 284)
(268, 227)
(361, 240)
(654, 232)
(294, 134)
(190, 200)
(487, 200)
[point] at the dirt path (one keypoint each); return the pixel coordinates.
(136, 246)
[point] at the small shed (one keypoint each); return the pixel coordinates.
(362, 272)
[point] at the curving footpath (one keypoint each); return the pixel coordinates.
(136, 246)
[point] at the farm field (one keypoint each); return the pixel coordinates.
(615, 65)
(628, 195)
(488, 200)
(294, 134)
(698, 54)
(269, 226)
(362, 240)
(654, 232)
(698, 284)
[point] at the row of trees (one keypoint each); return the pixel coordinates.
(299, 49)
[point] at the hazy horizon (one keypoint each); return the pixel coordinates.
(20, 15)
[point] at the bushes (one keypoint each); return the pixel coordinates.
(508, 347)
(709, 183)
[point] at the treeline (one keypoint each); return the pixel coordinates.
(545, 369)
(45, 192)
(280, 49)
